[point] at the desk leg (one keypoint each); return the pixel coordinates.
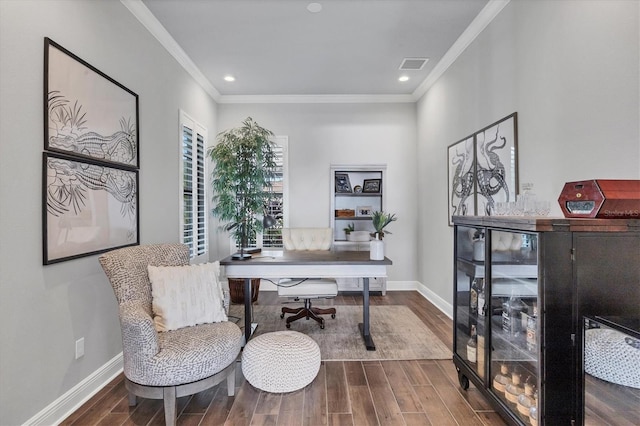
(247, 310)
(364, 326)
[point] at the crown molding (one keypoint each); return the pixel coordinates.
(146, 18)
(151, 23)
(314, 99)
(484, 18)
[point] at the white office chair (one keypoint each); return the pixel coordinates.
(309, 288)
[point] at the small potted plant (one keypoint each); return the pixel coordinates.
(380, 221)
(348, 230)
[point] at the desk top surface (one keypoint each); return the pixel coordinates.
(310, 257)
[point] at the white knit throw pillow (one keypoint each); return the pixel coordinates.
(186, 295)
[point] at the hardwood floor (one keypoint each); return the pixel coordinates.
(355, 393)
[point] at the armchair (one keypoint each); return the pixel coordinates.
(311, 288)
(167, 364)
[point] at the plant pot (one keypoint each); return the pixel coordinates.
(236, 289)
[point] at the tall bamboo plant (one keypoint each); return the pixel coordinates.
(241, 179)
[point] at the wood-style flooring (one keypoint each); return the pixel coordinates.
(355, 393)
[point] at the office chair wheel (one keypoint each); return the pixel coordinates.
(333, 316)
(322, 326)
(288, 325)
(282, 315)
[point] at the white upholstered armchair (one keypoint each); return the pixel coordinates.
(184, 360)
(311, 288)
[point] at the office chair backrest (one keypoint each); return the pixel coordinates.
(307, 238)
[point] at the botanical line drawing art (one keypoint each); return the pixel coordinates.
(68, 131)
(462, 161)
(89, 207)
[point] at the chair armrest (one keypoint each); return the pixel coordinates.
(139, 335)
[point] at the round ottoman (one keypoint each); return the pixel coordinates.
(281, 361)
(612, 356)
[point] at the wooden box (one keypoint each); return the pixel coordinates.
(345, 213)
(601, 198)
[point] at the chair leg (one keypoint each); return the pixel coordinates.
(231, 383)
(132, 399)
(170, 411)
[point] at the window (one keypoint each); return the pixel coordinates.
(272, 237)
(193, 207)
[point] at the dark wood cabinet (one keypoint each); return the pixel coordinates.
(522, 286)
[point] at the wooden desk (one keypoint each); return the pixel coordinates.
(308, 264)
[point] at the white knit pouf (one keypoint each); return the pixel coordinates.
(612, 356)
(281, 361)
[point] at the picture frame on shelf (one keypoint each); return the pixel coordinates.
(371, 186)
(87, 113)
(343, 185)
(364, 211)
(89, 207)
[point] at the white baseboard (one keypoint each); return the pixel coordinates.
(70, 401)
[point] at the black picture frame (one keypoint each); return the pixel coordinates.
(482, 169)
(343, 184)
(461, 178)
(496, 164)
(89, 207)
(371, 186)
(87, 114)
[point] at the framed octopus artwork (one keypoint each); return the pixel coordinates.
(461, 168)
(483, 169)
(496, 164)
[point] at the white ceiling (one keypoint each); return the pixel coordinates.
(278, 48)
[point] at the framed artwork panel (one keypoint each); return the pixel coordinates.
(461, 178)
(88, 207)
(371, 186)
(343, 184)
(496, 164)
(87, 113)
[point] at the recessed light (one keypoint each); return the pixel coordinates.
(229, 78)
(403, 78)
(314, 7)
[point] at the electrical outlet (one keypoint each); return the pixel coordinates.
(80, 347)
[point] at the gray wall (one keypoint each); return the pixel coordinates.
(571, 71)
(325, 134)
(45, 309)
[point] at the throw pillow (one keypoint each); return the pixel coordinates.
(184, 296)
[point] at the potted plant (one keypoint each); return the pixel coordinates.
(380, 220)
(241, 182)
(348, 230)
(241, 179)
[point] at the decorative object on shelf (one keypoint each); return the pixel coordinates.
(371, 186)
(90, 187)
(343, 185)
(345, 213)
(478, 245)
(483, 169)
(348, 230)
(376, 249)
(241, 180)
(357, 189)
(364, 211)
(236, 289)
(380, 221)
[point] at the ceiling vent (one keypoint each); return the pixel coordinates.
(413, 64)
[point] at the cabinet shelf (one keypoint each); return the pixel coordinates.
(353, 218)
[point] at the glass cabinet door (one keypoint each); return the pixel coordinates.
(470, 298)
(514, 329)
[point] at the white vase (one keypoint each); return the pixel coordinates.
(376, 250)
